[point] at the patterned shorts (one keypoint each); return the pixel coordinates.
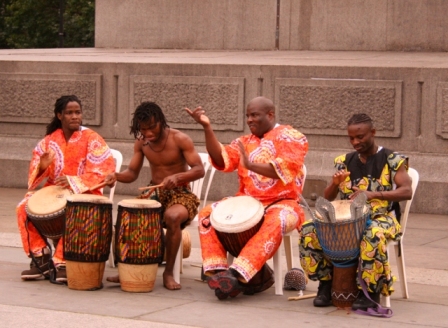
(180, 195)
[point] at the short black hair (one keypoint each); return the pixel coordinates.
(145, 112)
(59, 106)
(360, 118)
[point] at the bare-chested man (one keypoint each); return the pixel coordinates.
(169, 153)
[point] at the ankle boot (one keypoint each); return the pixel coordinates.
(323, 297)
(42, 269)
(363, 303)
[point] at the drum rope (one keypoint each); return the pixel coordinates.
(52, 267)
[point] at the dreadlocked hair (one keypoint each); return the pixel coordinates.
(360, 118)
(59, 106)
(144, 113)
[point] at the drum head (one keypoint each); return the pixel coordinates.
(139, 203)
(89, 198)
(237, 214)
(48, 200)
(341, 209)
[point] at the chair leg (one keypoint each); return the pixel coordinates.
(401, 271)
(288, 251)
(229, 258)
(278, 272)
(385, 301)
(177, 264)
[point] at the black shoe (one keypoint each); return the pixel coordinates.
(323, 297)
(42, 269)
(363, 303)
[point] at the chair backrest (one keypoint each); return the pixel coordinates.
(118, 157)
(404, 215)
(304, 175)
(196, 186)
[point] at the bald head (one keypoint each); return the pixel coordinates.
(263, 103)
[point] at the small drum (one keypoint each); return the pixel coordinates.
(87, 238)
(139, 243)
(236, 220)
(186, 244)
(46, 210)
(340, 242)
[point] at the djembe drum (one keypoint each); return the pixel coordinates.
(46, 210)
(139, 243)
(236, 220)
(340, 225)
(87, 238)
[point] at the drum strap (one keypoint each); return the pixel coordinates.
(51, 263)
(378, 310)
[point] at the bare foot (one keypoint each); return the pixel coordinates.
(170, 283)
(115, 279)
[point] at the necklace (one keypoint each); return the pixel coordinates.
(158, 151)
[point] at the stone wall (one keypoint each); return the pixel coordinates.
(407, 95)
(360, 25)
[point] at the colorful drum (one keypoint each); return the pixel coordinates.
(87, 238)
(139, 243)
(236, 220)
(340, 241)
(46, 210)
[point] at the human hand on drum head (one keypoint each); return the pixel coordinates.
(369, 194)
(199, 116)
(46, 159)
(62, 181)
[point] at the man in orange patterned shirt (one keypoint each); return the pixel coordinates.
(70, 156)
(269, 163)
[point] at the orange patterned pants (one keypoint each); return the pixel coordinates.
(280, 218)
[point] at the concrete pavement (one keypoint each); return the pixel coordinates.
(42, 304)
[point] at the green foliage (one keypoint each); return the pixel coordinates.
(35, 23)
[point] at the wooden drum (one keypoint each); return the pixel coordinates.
(87, 238)
(46, 210)
(139, 243)
(236, 220)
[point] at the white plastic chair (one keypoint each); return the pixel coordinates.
(399, 254)
(196, 187)
(118, 157)
(287, 241)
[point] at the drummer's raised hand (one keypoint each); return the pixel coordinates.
(45, 160)
(340, 177)
(62, 181)
(199, 116)
(244, 160)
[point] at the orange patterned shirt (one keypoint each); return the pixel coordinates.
(283, 147)
(85, 159)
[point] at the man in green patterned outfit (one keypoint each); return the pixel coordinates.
(382, 175)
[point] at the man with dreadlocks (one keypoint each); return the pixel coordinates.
(169, 152)
(70, 156)
(382, 175)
